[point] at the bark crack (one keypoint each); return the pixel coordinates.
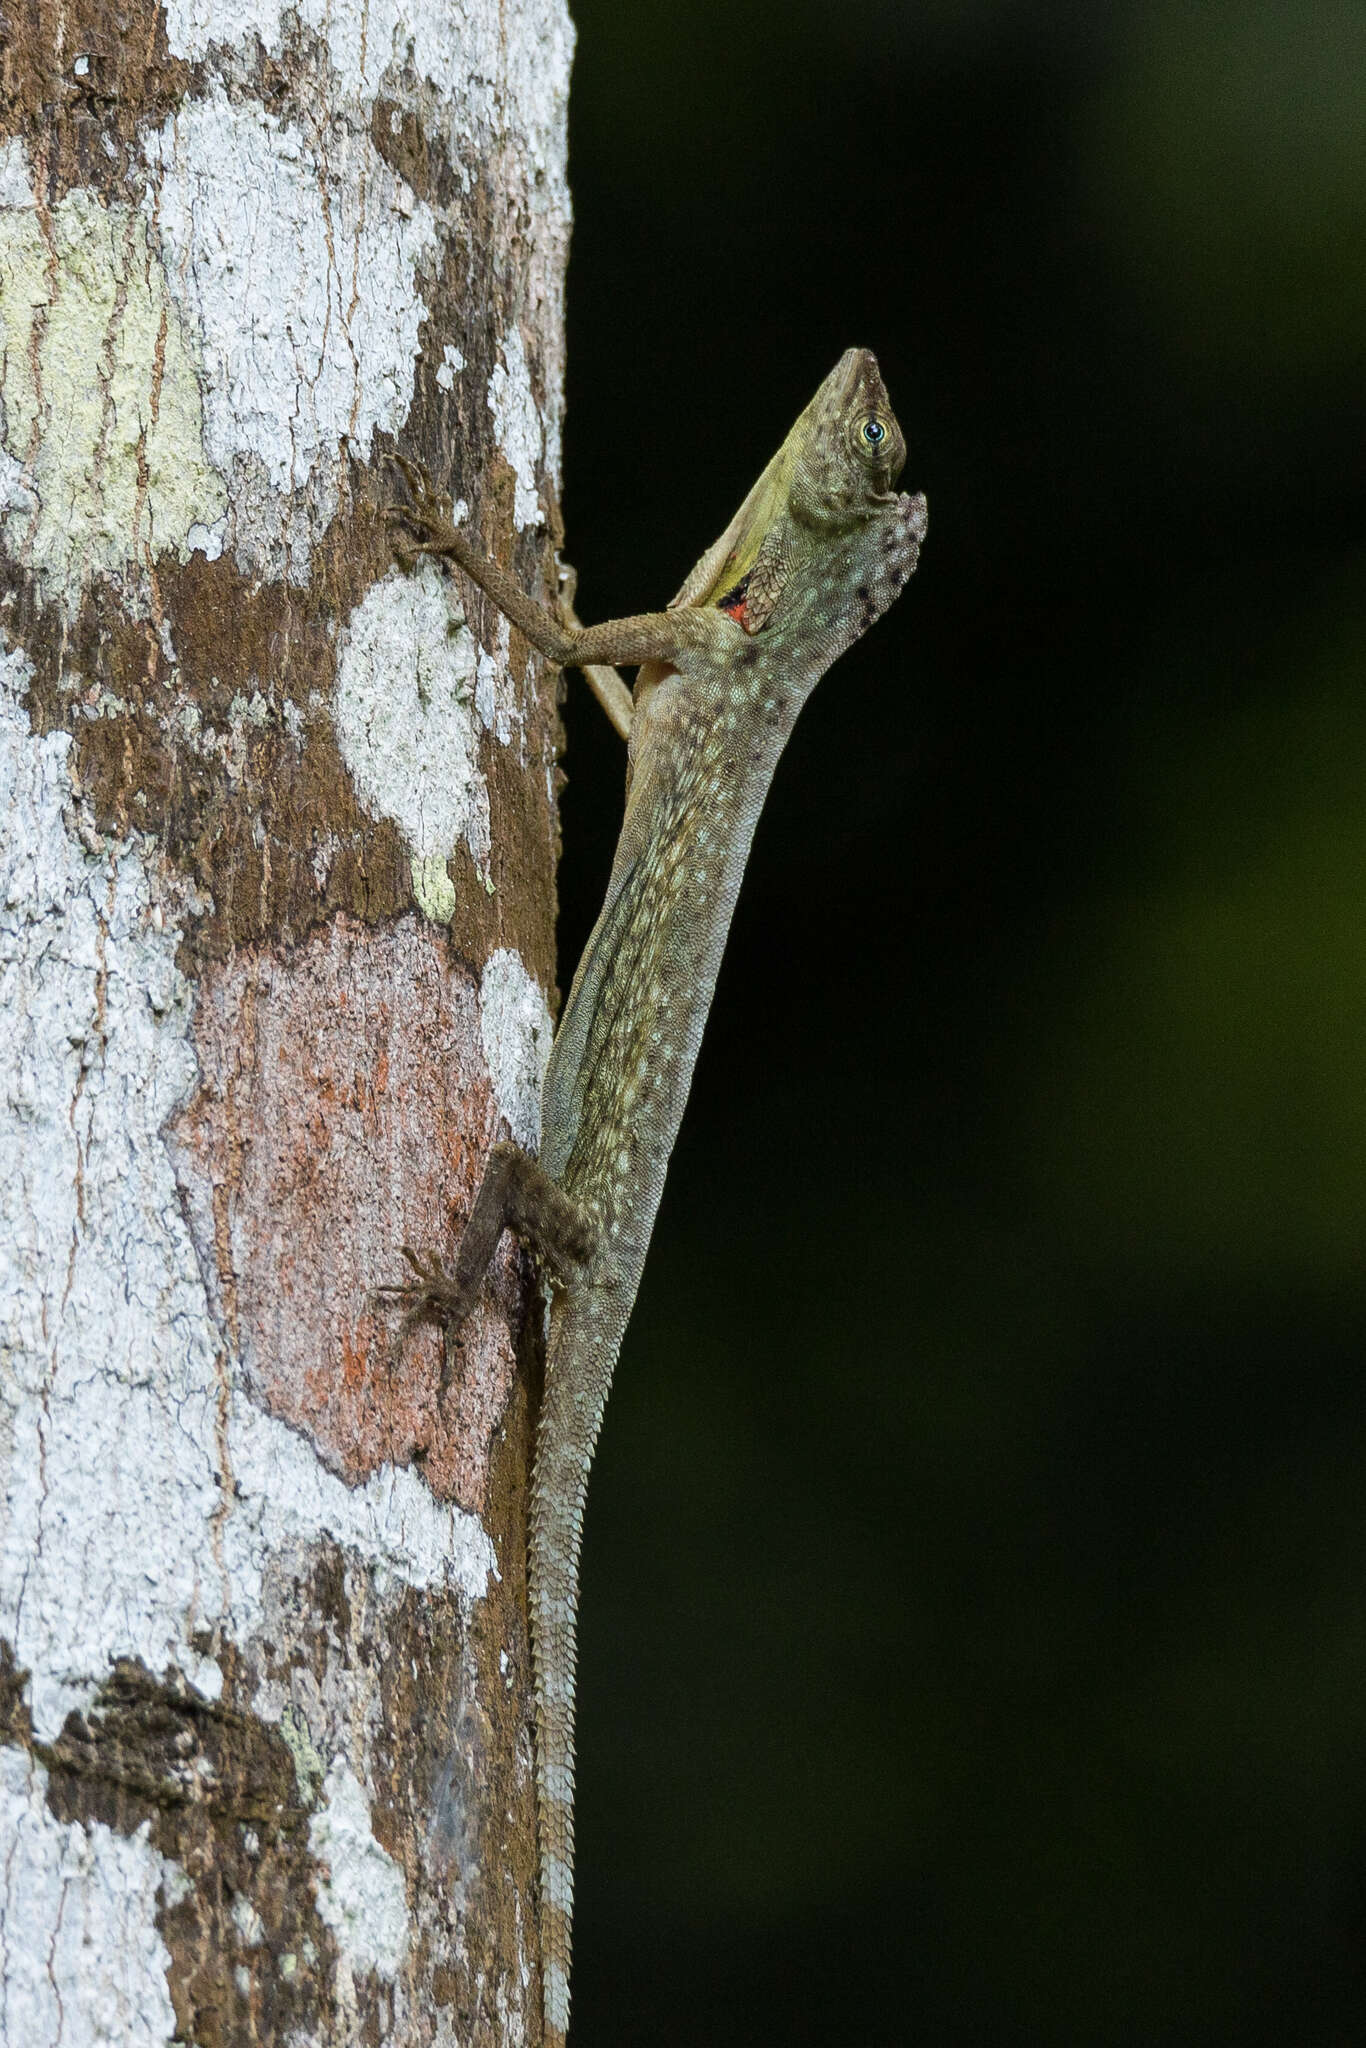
(6, 1947)
(52, 1959)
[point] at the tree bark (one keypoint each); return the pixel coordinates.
(276, 956)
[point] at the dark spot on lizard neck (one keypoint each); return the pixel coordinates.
(733, 603)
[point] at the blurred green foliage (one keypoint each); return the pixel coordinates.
(973, 1641)
(1231, 142)
(1198, 1093)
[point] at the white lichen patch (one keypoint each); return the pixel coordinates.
(362, 1896)
(504, 68)
(287, 1502)
(146, 1497)
(297, 254)
(102, 459)
(102, 1408)
(496, 695)
(194, 26)
(83, 1962)
(296, 262)
(16, 184)
(452, 363)
(517, 1031)
(248, 1921)
(517, 422)
(407, 723)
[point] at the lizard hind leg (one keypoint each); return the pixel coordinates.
(515, 1194)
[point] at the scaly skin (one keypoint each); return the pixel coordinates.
(817, 552)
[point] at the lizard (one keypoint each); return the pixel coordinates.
(818, 550)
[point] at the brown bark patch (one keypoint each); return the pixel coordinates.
(79, 79)
(218, 1789)
(345, 1110)
(230, 757)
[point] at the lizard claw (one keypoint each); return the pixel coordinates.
(428, 503)
(415, 476)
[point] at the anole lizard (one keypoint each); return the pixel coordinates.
(818, 551)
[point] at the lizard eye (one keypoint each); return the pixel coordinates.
(872, 433)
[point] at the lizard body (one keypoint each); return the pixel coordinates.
(819, 549)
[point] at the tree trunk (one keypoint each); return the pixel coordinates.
(276, 950)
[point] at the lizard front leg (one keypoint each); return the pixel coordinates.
(647, 636)
(515, 1194)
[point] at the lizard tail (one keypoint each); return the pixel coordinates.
(566, 1434)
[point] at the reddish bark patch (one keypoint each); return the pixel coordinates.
(344, 1110)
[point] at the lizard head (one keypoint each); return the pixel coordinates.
(832, 481)
(847, 448)
(863, 540)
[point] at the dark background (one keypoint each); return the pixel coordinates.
(974, 1643)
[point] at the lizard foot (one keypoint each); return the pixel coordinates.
(435, 1296)
(423, 526)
